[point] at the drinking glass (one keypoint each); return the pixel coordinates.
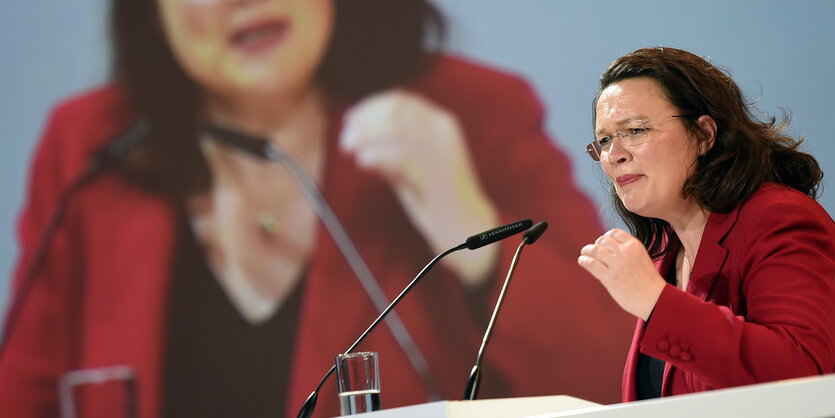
(102, 392)
(358, 382)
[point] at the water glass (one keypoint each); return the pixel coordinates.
(358, 382)
(103, 392)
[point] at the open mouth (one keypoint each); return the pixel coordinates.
(260, 36)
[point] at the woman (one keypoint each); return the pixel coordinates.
(205, 270)
(731, 269)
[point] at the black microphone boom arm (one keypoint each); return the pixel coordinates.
(101, 160)
(471, 391)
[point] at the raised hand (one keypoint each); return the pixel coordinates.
(621, 263)
(420, 149)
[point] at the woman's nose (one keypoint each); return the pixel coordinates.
(618, 154)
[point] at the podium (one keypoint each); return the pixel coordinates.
(484, 408)
(794, 398)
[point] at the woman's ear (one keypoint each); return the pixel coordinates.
(708, 126)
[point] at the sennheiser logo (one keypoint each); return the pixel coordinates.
(489, 234)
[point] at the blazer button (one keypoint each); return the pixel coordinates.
(675, 350)
(663, 345)
(685, 356)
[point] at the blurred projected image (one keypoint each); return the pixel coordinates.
(227, 281)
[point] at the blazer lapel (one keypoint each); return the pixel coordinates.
(711, 257)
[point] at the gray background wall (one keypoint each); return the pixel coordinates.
(780, 52)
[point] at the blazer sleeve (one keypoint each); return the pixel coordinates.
(785, 263)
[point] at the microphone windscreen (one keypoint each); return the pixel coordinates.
(497, 234)
(534, 233)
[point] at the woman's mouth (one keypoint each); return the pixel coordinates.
(628, 179)
(259, 36)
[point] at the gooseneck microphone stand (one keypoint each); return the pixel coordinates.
(101, 160)
(473, 382)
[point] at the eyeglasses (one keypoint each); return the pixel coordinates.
(635, 134)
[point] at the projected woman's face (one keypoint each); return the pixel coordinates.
(234, 47)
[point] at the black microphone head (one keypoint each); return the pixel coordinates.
(535, 232)
(119, 146)
(497, 234)
(251, 144)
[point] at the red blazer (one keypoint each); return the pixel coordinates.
(760, 305)
(101, 298)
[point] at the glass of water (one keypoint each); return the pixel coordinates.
(358, 382)
(103, 392)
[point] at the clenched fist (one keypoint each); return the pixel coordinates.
(621, 263)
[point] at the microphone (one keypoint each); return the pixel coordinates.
(497, 234)
(118, 147)
(473, 382)
(516, 227)
(264, 149)
(113, 151)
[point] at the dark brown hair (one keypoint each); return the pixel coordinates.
(375, 44)
(746, 153)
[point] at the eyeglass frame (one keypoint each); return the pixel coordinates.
(593, 146)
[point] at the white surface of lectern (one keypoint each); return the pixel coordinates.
(811, 397)
(484, 408)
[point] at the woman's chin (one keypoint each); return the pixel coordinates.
(634, 206)
(261, 87)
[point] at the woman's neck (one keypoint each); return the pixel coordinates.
(689, 229)
(257, 226)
